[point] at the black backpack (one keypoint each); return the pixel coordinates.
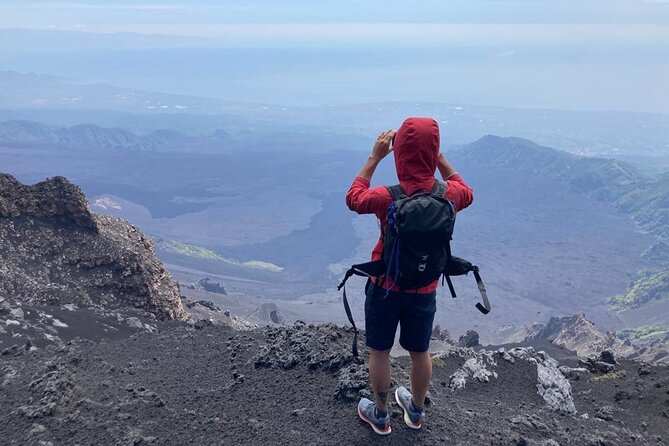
(416, 247)
(417, 240)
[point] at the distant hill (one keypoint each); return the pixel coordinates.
(583, 174)
(646, 198)
(86, 135)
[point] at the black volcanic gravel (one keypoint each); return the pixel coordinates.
(277, 386)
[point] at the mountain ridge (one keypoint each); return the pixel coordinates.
(88, 136)
(645, 197)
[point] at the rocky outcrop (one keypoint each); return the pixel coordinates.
(316, 346)
(55, 200)
(441, 334)
(470, 339)
(210, 286)
(604, 363)
(53, 250)
(269, 313)
(481, 366)
(579, 334)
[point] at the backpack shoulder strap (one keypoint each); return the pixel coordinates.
(439, 188)
(396, 192)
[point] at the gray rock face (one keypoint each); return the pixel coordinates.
(480, 365)
(53, 250)
(581, 335)
(552, 385)
(476, 368)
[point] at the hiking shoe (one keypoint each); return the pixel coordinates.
(368, 413)
(412, 418)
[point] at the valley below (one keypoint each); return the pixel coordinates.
(273, 227)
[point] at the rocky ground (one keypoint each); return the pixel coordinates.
(210, 384)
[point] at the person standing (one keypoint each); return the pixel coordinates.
(417, 156)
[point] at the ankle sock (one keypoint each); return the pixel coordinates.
(414, 408)
(380, 414)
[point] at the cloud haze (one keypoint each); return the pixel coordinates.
(585, 54)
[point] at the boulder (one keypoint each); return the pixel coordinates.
(210, 286)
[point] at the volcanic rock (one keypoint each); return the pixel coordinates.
(470, 339)
(579, 334)
(210, 286)
(53, 250)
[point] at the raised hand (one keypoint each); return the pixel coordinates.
(382, 145)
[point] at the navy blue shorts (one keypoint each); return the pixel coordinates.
(413, 312)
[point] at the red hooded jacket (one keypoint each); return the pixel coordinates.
(416, 151)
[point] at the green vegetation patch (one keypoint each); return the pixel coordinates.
(204, 253)
(650, 286)
(195, 251)
(610, 375)
(438, 362)
(644, 332)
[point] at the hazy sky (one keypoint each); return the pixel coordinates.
(27, 13)
(585, 54)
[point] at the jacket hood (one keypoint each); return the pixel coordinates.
(416, 150)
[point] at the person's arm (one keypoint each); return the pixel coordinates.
(457, 191)
(445, 168)
(360, 198)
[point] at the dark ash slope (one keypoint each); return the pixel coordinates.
(288, 386)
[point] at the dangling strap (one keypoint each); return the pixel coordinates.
(450, 286)
(349, 315)
(485, 308)
(458, 267)
(369, 269)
